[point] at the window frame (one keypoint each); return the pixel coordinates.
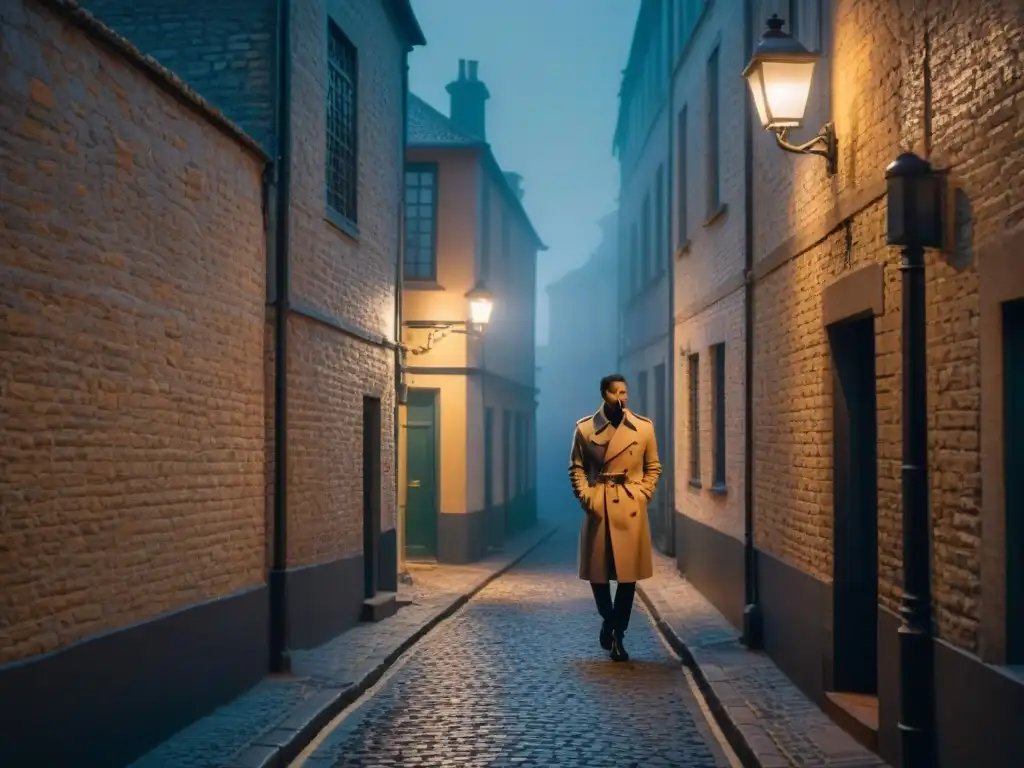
(713, 169)
(646, 255)
(347, 220)
(485, 226)
(718, 405)
(659, 219)
(682, 140)
(434, 169)
(693, 382)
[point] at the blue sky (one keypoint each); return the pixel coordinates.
(553, 69)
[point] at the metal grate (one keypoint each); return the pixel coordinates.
(342, 170)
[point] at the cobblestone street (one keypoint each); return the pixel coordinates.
(517, 678)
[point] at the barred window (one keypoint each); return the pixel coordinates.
(420, 221)
(341, 125)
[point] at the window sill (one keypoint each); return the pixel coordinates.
(719, 489)
(683, 249)
(716, 215)
(413, 284)
(695, 484)
(342, 223)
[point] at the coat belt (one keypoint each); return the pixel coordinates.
(615, 479)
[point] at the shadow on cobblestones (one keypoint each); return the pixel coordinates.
(517, 678)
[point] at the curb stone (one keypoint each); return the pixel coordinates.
(280, 745)
(743, 749)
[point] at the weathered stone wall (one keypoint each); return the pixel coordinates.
(883, 64)
(132, 290)
(345, 278)
(708, 272)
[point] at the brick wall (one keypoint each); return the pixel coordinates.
(224, 50)
(350, 280)
(132, 280)
(872, 85)
(708, 277)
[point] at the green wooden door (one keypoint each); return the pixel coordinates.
(1013, 458)
(421, 474)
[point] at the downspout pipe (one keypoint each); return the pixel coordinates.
(280, 656)
(399, 277)
(670, 362)
(752, 617)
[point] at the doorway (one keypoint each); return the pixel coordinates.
(495, 526)
(855, 512)
(421, 499)
(1013, 475)
(371, 495)
(506, 464)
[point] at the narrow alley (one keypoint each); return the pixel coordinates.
(517, 678)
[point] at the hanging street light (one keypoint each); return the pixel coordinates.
(779, 75)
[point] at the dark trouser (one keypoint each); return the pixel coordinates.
(617, 613)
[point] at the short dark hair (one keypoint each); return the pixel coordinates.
(611, 378)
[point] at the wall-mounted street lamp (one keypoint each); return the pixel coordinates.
(779, 75)
(481, 303)
(915, 200)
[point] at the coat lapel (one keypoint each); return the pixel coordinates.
(625, 435)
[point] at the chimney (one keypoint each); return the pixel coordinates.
(516, 182)
(468, 97)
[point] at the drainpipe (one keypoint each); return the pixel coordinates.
(280, 657)
(670, 362)
(752, 619)
(399, 265)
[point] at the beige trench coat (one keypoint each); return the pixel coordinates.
(616, 514)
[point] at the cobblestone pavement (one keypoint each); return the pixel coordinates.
(779, 725)
(517, 678)
(248, 730)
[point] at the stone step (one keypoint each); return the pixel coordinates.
(379, 607)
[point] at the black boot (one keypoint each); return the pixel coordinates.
(618, 650)
(605, 638)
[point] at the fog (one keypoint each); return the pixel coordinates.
(553, 70)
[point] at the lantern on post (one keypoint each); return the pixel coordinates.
(915, 193)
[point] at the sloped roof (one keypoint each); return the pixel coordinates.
(426, 127)
(430, 128)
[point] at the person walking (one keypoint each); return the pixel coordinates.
(614, 469)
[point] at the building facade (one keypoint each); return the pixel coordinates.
(468, 432)
(708, 218)
(786, 326)
(580, 350)
(645, 288)
(254, 307)
(827, 373)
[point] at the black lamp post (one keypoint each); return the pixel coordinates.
(914, 198)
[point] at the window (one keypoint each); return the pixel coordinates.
(485, 228)
(694, 381)
(634, 259)
(681, 137)
(718, 415)
(342, 159)
(714, 184)
(688, 16)
(506, 237)
(1013, 475)
(420, 222)
(659, 217)
(641, 393)
(646, 239)
(793, 19)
